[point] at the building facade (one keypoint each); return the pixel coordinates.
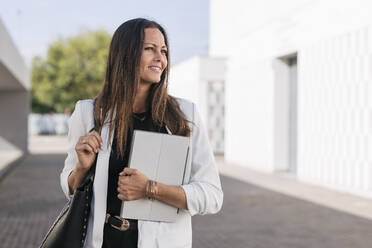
(14, 99)
(201, 80)
(298, 88)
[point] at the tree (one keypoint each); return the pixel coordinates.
(72, 70)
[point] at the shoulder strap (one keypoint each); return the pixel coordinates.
(92, 171)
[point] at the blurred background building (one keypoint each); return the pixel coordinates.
(297, 83)
(202, 80)
(14, 99)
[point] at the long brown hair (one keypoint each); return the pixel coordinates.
(115, 100)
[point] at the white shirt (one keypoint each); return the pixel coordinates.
(202, 182)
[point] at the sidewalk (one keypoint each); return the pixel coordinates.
(288, 185)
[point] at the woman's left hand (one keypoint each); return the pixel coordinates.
(131, 185)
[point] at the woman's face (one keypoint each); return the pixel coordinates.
(154, 56)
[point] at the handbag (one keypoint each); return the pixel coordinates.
(70, 228)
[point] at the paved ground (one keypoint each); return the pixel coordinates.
(252, 217)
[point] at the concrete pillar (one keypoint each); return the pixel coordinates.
(14, 110)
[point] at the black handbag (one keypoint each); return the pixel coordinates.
(70, 228)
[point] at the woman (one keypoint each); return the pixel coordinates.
(134, 96)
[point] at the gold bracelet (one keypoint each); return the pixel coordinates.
(151, 190)
(155, 187)
(147, 194)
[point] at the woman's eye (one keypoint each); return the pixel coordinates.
(152, 49)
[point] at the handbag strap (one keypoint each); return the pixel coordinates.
(92, 170)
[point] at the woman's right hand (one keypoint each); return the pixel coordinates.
(86, 148)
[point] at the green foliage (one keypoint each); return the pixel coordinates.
(72, 70)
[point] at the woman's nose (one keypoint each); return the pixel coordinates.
(158, 56)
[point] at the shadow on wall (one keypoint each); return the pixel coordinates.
(8, 154)
(48, 124)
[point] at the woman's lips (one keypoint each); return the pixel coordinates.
(155, 68)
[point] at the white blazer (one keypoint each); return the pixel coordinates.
(202, 182)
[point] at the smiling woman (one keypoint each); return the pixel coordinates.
(135, 96)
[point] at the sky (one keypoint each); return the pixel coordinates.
(33, 25)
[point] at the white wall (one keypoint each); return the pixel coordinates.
(14, 73)
(184, 79)
(231, 20)
(336, 113)
(14, 93)
(8, 153)
(201, 80)
(14, 109)
(333, 43)
(189, 80)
